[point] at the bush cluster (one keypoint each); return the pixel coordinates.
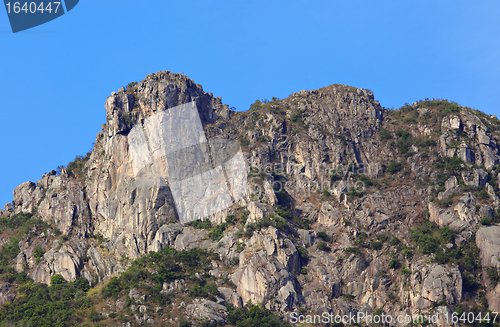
(159, 267)
(433, 240)
(41, 305)
(253, 315)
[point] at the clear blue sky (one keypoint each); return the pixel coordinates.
(55, 77)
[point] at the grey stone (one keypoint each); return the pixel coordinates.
(205, 309)
(307, 236)
(231, 296)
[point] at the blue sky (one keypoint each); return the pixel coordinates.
(55, 77)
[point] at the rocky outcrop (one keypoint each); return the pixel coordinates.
(129, 211)
(432, 283)
(488, 242)
(267, 269)
(320, 161)
(26, 197)
(6, 293)
(165, 236)
(461, 216)
(231, 296)
(62, 259)
(208, 310)
(59, 200)
(476, 177)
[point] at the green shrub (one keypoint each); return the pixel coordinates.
(256, 105)
(38, 252)
(244, 142)
(127, 118)
(394, 241)
(303, 253)
(375, 245)
(95, 316)
(253, 315)
(348, 296)
(305, 223)
(113, 288)
(483, 195)
(184, 322)
(283, 212)
(322, 235)
(366, 180)
(76, 167)
(443, 106)
(354, 192)
(298, 118)
(406, 253)
(323, 246)
(384, 134)
(383, 238)
(9, 251)
(40, 305)
(425, 239)
(208, 291)
(57, 280)
(454, 163)
(354, 250)
(198, 224)
(394, 263)
(493, 276)
(394, 167)
(334, 176)
(445, 203)
(62, 303)
(486, 221)
(131, 84)
(410, 120)
(217, 233)
(447, 234)
(249, 229)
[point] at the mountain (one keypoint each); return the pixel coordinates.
(351, 209)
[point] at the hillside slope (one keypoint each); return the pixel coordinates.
(351, 208)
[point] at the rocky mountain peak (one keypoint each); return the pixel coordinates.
(350, 207)
(159, 92)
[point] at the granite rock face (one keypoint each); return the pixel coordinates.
(326, 224)
(433, 283)
(267, 269)
(488, 242)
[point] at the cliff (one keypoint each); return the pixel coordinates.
(351, 207)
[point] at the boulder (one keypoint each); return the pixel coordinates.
(445, 217)
(488, 242)
(7, 293)
(431, 283)
(165, 236)
(307, 237)
(451, 122)
(26, 197)
(267, 269)
(231, 296)
(477, 177)
(208, 310)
